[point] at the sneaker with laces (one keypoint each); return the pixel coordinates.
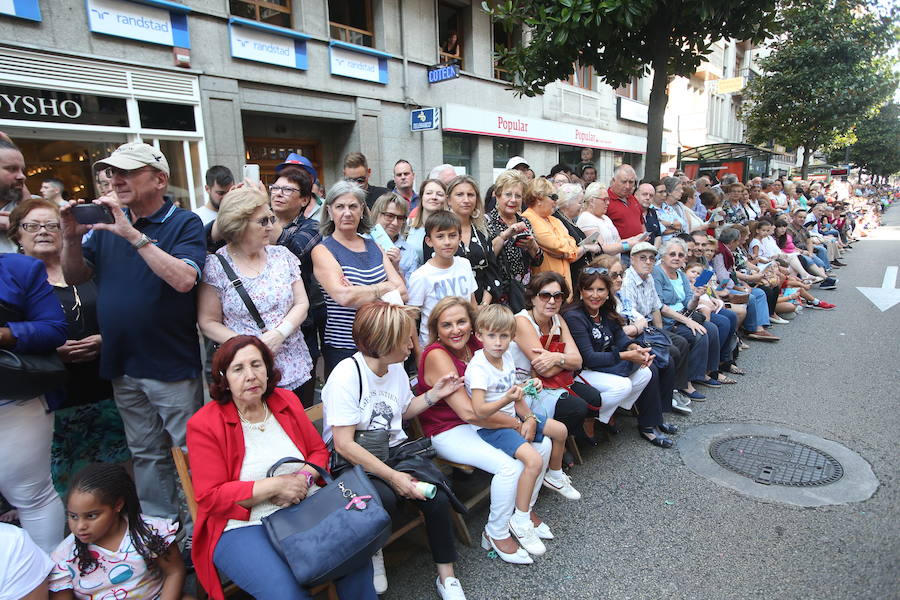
(681, 404)
(523, 531)
(826, 305)
(561, 484)
(380, 578)
(451, 589)
(543, 531)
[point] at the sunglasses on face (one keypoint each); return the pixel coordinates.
(389, 217)
(359, 180)
(548, 296)
(264, 221)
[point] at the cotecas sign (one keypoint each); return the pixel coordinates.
(464, 119)
(25, 104)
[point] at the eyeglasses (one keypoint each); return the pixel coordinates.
(389, 217)
(283, 189)
(117, 172)
(264, 221)
(359, 180)
(676, 254)
(645, 258)
(35, 227)
(548, 296)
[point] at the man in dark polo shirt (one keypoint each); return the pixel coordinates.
(146, 264)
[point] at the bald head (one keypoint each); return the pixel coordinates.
(623, 181)
(644, 194)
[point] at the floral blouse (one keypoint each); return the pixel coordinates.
(513, 262)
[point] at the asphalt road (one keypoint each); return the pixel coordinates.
(647, 527)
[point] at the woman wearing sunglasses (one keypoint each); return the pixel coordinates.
(270, 276)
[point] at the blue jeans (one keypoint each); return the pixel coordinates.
(726, 322)
(757, 311)
(247, 557)
(700, 355)
(821, 253)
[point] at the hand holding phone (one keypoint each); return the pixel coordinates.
(703, 278)
(251, 173)
(91, 214)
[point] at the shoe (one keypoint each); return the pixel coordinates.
(707, 382)
(778, 320)
(825, 305)
(519, 557)
(652, 435)
(669, 428)
(681, 408)
(568, 460)
(763, 336)
(829, 284)
(543, 531)
(695, 395)
(451, 589)
(524, 532)
(562, 486)
(380, 578)
(837, 263)
(609, 428)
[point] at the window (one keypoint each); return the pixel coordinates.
(629, 90)
(458, 151)
(504, 150)
(450, 33)
(506, 40)
(351, 21)
(273, 12)
(583, 77)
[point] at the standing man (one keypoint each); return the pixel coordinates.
(12, 187)
(701, 184)
(52, 190)
(219, 181)
(356, 168)
(404, 182)
(147, 264)
(624, 210)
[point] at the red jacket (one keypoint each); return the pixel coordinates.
(628, 218)
(215, 442)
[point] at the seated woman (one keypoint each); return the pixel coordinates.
(369, 391)
(764, 249)
(620, 369)
(452, 425)
(232, 442)
(271, 278)
(390, 211)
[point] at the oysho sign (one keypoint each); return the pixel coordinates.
(24, 104)
(162, 23)
(267, 44)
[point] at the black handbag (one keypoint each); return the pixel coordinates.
(659, 342)
(333, 532)
(26, 376)
(512, 294)
(694, 314)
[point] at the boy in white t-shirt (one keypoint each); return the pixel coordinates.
(444, 274)
(491, 383)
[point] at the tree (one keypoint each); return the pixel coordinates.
(877, 146)
(623, 39)
(828, 71)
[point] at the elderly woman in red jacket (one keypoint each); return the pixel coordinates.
(232, 443)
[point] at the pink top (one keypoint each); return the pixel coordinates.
(789, 247)
(441, 417)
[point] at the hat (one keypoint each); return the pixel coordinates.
(515, 161)
(643, 247)
(798, 209)
(133, 156)
(296, 160)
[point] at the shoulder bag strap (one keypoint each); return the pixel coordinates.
(359, 373)
(242, 292)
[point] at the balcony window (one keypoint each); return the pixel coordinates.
(504, 40)
(450, 31)
(629, 90)
(273, 12)
(583, 77)
(351, 22)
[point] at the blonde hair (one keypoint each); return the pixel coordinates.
(509, 178)
(537, 189)
(419, 219)
(380, 328)
(443, 305)
(386, 200)
(477, 218)
(235, 211)
(496, 318)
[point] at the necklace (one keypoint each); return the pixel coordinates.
(595, 315)
(261, 426)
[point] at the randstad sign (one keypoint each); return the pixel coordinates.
(157, 21)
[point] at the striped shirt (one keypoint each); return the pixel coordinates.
(359, 268)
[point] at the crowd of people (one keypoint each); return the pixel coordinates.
(501, 322)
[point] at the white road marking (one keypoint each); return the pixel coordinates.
(887, 295)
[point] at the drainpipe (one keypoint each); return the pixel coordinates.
(405, 88)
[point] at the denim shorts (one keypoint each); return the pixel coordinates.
(509, 440)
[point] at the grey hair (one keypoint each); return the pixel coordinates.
(435, 172)
(765, 183)
(622, 167)
(728, 179)
(569, 193)
(343, 188)
(671, 183)
(673, 242)
(728, 235)
(718, 191)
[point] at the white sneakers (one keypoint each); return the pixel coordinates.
(562, 484)
(778, 320)
(519, 557)
(451, 589)
(681, 404)
(523, 531)
(380, 578)
(543, 531)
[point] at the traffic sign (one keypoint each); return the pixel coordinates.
(443, 72)
(424, 119)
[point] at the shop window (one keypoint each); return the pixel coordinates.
(582, 77)
(351, 21)
(161, 115)
(185, 171)
(570, 155)
(629, 90)
(458, 151)
(67, 160)
(504, 40)
(450, 32)
(273, 12)
(504, 150)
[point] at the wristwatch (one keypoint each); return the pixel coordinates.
(143, 241)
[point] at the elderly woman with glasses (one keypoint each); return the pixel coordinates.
(594, 219)
(275, 303)
(390, 211)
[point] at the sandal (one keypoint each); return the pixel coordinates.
(736, 370)
(655, 437)
(726, 380)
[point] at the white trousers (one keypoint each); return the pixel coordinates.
(616, 390)
(462, 444)
(26, 433)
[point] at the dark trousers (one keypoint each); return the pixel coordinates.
(699, 355)
(333, 356)
(649, 404)
(573, 409)
(679, 353)
(438, 526)
(726, 322)
(771, 297)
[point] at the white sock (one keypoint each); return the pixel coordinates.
(815, 301)
(557, 474)
(521, 517)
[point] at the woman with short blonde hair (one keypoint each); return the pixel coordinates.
(234, 215)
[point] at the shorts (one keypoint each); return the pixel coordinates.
(509, 440)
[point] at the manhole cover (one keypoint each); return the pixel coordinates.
(776, 460)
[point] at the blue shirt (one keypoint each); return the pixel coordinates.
(34, 315)
(149, 329)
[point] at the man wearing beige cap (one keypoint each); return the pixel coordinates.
(146, 263)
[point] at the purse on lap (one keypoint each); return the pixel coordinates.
(26, 376)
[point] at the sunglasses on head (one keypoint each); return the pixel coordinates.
(547, 296)
(601, 271)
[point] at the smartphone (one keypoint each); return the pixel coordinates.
(521, 236)
(91, 214)
(703, 278)
(591, 239)
(251, 172)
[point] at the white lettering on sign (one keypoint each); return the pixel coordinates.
(31, 105)
(131, 20)
(456, 117)
(253, 44)
(353, 64)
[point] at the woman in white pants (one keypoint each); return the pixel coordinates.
(31, 322)
(455, 439)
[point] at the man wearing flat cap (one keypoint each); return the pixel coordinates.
(146, 264)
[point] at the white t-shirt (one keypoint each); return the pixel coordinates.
(429, 284)
(588, 221)
(206, 214)
(381, 405)
(23, 566)
(482, 375)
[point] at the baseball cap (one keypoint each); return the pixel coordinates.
(515, 161)
(134, 155)
(297, 160)
(643, 247)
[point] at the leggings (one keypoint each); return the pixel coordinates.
(26, 432)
